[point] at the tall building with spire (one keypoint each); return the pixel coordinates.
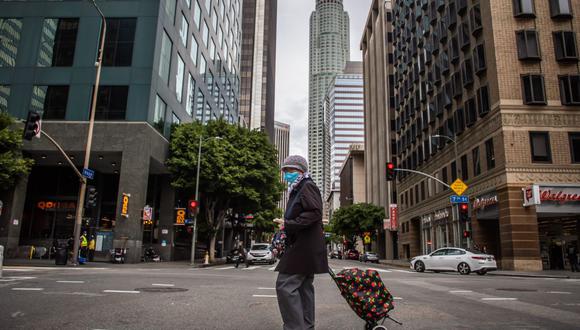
(329, 52)
(258, 65)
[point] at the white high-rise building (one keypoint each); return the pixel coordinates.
(344, 109)
(282, 143)
(329, 51)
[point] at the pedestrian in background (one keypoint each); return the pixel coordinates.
(305, 251)
(92, 244)
(84, 247)
(573, 258)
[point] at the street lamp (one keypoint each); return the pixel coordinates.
(83, 186)
(454, 148)
(201, 139)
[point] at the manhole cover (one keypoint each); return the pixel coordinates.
(517, 290)
(161, 290)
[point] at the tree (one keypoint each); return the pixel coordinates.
(357, 219)
(263, 223)
(12, 164)
(239, 171)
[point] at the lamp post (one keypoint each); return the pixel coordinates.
(197, 195)
(83, 186)
(454, 148)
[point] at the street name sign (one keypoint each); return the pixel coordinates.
(459, 199)
(459, 187)
(88, 173)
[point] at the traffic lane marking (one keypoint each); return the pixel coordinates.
(121, 291)
(559, 292)
(460, 291)
(251, 268)
(498, 299)
(27, 289)
(71, 282)
(266, 288)
(264, 296)
(16, 278)
(162, 284)
(224, 268)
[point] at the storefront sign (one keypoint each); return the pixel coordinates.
(125, 205)
(386, 224)
(531, 195)
(482, 202)
(147, 215)
(553, 198)
(485, 207)
(426, 220)
(441, 214)
(394, 215)
(561, 195)
(53, 206)
(164, 231)
(180, 216)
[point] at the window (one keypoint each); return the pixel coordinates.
(119, 42)
(179, 79)
(197, 15)
(476, 162)
(194, 48)
(174, 119)
(459, 118)
(199, 102)
(188, 2)
(464, 36)
(479, 59)
(51, 101)
(540, 143)
(10, 30)
(4, 95)
(170, 9)
(533, 89)
(165, 57)
(524, 8)
(560, 9)
(489, 154)
(464, 168)
(528, 46)
(570, 89)
(183, 30)
(208, 6)
(575, 147)
(205, 34)
(444, 176)
(159, 115)
(467, 72)
(475, 18)
(112, 102)
(453, 171)
(565, 46)
(58, 41)
(483, 101)
(190, 96)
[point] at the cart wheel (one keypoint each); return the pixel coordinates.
(380, 327)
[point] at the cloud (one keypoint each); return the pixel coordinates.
(292, 62)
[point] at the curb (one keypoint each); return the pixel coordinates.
(530, 275)
(393, 265)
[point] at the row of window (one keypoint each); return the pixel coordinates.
(534, 90)
(542, 152)
(565, 47)
(559, 9)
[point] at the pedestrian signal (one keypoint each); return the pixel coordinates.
(91, 200)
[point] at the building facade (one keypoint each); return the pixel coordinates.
(489, 92)
(352, 176)
(258, 64)
(344, 112)
(329, 51)
(282, 143)
(378, 71)
(164, 63)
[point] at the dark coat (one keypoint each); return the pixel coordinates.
(305, 247)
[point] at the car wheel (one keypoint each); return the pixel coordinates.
(482, 272)
(419, 266)
(463, 269)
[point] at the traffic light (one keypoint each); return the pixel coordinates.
(463, 209)
(466, 234)
(32, 126)
(192, 207)
(91, 199)
(391, 174)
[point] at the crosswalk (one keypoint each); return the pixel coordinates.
(273, 268)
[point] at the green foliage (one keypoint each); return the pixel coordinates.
(12, 164)
(263, 220)
(357, 219)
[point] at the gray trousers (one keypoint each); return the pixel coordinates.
(296, 300)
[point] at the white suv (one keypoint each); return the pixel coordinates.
(260, 252)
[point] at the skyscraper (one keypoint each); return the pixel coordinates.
(344, 108)
(258, 64)
(282, 143)
(329, 51)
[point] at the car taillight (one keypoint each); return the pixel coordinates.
(478, 258)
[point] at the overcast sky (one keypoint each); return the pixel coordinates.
(292, 62)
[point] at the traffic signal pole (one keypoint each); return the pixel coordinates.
(194, 234)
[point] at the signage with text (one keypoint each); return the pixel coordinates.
(394, 215)
(458, 199)
(125, 205)
(180, 216)
(458, 187)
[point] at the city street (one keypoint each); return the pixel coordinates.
(174, 296)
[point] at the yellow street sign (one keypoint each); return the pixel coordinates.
(367, 240)
(459, 187)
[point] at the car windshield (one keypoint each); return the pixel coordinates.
(260, 247)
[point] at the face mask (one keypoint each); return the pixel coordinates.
(291, 176)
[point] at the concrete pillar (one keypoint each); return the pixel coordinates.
(389, 251)
(166, 219)
(518, 227)
(133, 180)
(11, 218)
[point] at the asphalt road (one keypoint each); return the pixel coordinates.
(163, 296)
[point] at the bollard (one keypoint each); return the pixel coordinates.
(1, 259)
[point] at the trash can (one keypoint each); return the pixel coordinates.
(61, 255)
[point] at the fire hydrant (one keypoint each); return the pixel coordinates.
(206, 262)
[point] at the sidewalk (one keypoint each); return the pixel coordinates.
(561, 274)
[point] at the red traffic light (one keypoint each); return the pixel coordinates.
(466, 234)
(390, 166)
(390, 171)
(463, 208)
(193, 204)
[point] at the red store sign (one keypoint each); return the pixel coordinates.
(394, 215)
(559, 196)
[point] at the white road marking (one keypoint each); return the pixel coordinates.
(380, 270)
(223, 268)
(559, 292)
(403, 271)
(397, 298)
(265, 296)
(572, 280)
(499, 299)
(162, 284)
(17, 314)
(27, 289)
(272, 268)
(460, 291)
(251, 268)
(266, 288)
(16, 278)
(120, 291)
(72, 282)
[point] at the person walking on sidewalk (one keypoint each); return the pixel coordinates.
(92, 244)
(305, 251)
(573, 258)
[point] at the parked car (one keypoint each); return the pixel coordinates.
(335, 254)
(352, 255)
(369, 256)
(260, 252)
(233, 256)
(463, 261)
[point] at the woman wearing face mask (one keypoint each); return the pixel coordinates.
(305, 253)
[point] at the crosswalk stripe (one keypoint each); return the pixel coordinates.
(27, 289)
(499, 299)
(559, 292)
(265, 296)
(120, 291)
(251, 268)
(224, 268)
(266, 288)
(380, 270)
(460, 291)
(272, 268)
(72, 282)
(161, 284)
